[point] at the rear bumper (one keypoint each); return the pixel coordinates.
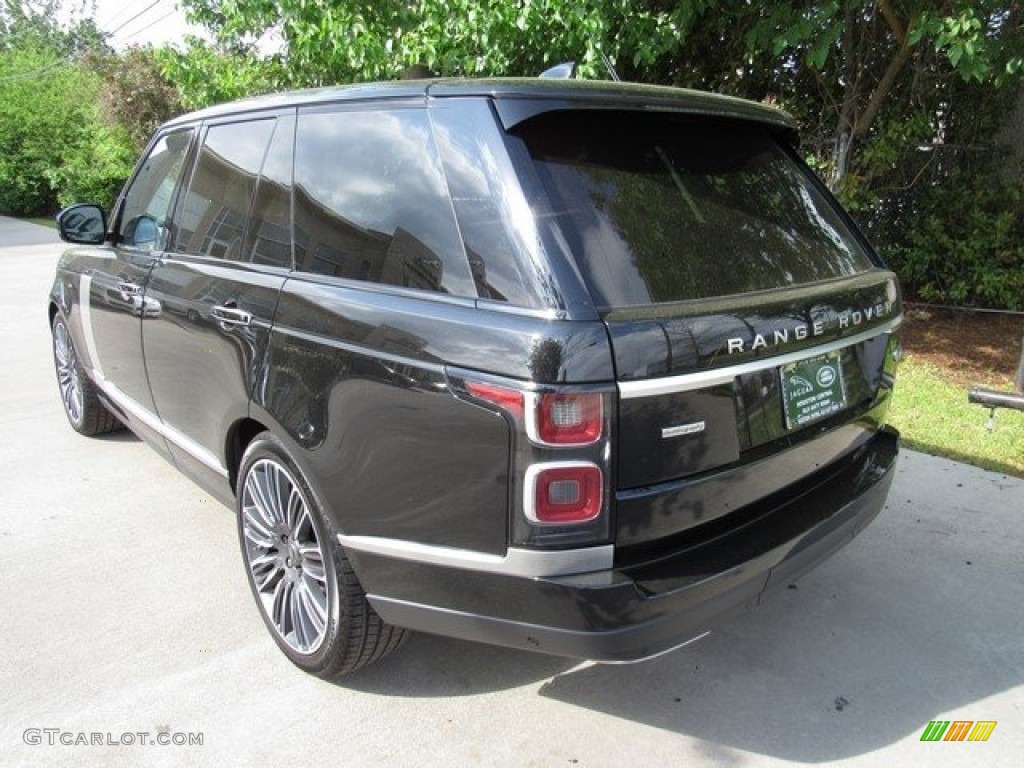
(640, 610)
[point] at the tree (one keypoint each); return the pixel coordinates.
(900, 102)
(358, 40)
(134, 95)
(853, 52)
(858, 51)
(73, 114)
(45, 102)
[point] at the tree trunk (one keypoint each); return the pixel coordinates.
(853, 123)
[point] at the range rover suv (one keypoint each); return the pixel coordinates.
(573, 367)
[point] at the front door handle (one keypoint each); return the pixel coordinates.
(231, 315)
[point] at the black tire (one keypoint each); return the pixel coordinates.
(302, 581)
(78, 395)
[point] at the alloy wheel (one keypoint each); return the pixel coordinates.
(68, 376)
(284, 555)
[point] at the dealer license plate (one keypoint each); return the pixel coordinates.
(812, 389)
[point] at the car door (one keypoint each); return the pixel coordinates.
(113, 304)
(217, 288)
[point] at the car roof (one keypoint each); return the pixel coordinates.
(568, 93)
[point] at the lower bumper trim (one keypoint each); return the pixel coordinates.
(635, 613)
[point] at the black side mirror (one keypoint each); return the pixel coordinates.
(83, 224)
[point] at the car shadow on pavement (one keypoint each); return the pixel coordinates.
(909, 624)
(428, 665)
(120, 436)
(861, 654)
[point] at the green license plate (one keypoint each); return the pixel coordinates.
(812, 389)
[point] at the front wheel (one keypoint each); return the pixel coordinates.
(78, 395)
(307, 593)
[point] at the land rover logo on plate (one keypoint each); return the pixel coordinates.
(812, 389)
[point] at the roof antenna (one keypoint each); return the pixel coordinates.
(610, 67)
(564, 71)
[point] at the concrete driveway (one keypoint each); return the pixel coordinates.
(127, 620)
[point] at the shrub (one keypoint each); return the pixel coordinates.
(963, 244)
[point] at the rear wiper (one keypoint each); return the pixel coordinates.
(678, 180)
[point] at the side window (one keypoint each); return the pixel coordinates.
(500, 240)
(148, 201)
(269, 235)
(216, 206)
(371, 201)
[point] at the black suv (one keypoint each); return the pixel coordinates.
(566, 366)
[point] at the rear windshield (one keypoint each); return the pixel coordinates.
(661, 208)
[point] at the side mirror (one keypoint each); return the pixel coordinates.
(83, 224)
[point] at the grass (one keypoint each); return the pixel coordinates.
(933, 416)
(46, 221)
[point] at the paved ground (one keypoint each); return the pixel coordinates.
(125, 610)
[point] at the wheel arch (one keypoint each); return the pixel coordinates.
(239, 436)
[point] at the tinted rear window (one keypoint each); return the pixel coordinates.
(660, 208)
(371, 202)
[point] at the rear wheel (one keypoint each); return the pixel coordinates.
(307, 593)
(78, 394)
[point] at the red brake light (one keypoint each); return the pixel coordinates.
(574, 418)
(561, 493)
(510, 400)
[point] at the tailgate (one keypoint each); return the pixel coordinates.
(706, 386)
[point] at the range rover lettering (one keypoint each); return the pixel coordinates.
(580, 368)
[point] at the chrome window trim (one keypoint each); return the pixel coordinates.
(686, 382)
(527, 563)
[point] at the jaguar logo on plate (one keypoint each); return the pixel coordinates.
(812, 389)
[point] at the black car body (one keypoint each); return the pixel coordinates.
(573, 367)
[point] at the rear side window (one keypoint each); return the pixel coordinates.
(371, 202)
(269, 238)
(661, 208)
(502, 244)
(215, 208)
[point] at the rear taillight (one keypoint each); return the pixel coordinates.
(563, 493)
(563, 419)
(560, 452)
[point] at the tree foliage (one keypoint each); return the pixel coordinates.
(45, 101)
(73, 113)
(965, 254)
(900, 102)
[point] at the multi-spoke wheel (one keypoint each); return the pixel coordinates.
(78, 394)
(307, 593)
(284, 554)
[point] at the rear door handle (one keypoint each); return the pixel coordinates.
(231, 315)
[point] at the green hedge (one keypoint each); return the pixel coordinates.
(963, 244)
